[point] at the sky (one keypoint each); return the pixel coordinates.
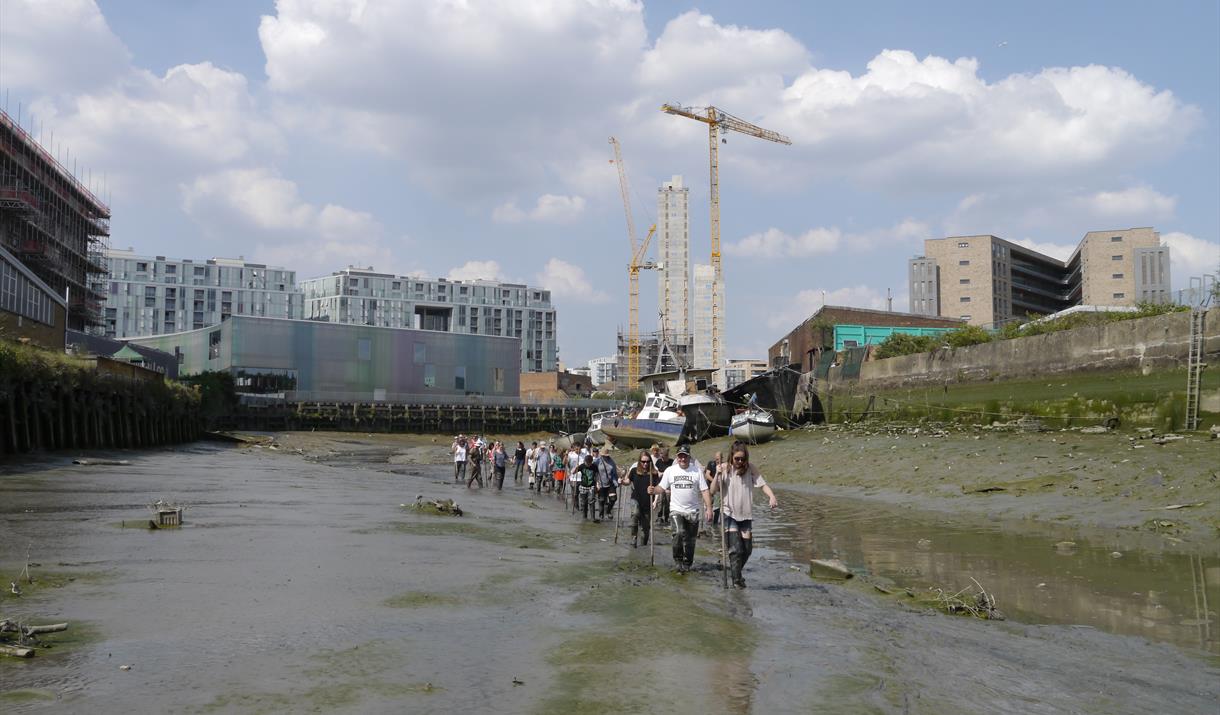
(469, 138)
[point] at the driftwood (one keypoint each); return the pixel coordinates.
(101, 462)
(16, 651)
(26, 636)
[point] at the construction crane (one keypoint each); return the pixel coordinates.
(638, 263)
(719, 123)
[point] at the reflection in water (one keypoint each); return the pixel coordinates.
(1161, 596)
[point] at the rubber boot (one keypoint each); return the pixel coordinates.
(737, 558)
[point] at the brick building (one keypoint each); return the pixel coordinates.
(818, 332)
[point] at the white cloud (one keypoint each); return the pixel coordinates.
(1042, 208)
(57, 46)
(258, 211)
(476, 270)
(774, 243)
(1135, 203)
(568, 282)
(548, 209)
(1190, 257)
(1061, 251)
(807, 302)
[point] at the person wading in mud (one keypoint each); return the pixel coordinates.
(476, 453)
(661, 460)
(683, 482)
(586, 478)
(531, 463)
(607, 483)
(518, 462)
(641, 477)
(499, 464)
(459, 458)
(543, 472)
(739, 478)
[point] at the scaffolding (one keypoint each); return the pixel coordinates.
(658, 352)
(53, 223)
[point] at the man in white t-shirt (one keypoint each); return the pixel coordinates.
(683, 482)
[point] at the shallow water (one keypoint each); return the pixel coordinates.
(302, 586)
(1117, 582)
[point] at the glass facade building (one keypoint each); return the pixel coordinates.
(312, 360)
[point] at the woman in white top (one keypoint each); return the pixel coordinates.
(738, 479)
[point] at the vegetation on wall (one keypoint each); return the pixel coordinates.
(217, 393)
(902, 344)
(21, 362)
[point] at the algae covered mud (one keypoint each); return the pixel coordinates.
(299, 583)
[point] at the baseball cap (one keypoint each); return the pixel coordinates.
(684, 449)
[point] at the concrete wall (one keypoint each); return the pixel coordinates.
(1161, 341)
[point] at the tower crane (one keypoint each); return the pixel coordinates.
(719, 123)
(638, 263)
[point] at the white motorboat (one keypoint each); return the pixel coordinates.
(595, 432)
(659, 421)
(753, 426)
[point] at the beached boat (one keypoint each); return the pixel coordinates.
(707, 415)
(595, 432)
(753, 426)
(565, 440)
(657, 422)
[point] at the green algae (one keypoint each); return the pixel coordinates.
(42, 580)
(625, 603)
(27, 696)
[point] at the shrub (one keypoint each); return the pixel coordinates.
(967, 335)
(905, 344)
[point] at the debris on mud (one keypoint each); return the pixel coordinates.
(101, 462)
(437, 507)
(971, 600)
(829, 568)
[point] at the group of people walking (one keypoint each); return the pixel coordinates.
(680, 492)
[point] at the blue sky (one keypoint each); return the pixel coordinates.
(470, 139)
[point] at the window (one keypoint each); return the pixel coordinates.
(1116, 239)
(429, 375)
(851, 344)
(964, 299)
(963, 281)
(1120, 295)
(1116, 275)
(1116, 258)
(364, 349)
(963, 263)
(421, 353)
(459, 377)
(963, 244)
(214, 345)
(141, 267)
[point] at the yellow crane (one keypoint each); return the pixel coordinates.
(638, 263)
(719, 123)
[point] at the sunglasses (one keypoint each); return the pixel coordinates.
(739, 459)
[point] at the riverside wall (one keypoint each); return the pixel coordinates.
(1144, 344)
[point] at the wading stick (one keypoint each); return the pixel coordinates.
(652, 532)
(618, 507)
(724, 549)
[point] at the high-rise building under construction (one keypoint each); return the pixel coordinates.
(53, 223)
(673, 255)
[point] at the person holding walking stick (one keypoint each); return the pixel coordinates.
(737, 479)
(683, 483)
(640, 478)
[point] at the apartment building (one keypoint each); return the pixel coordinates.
(673, 256)
(366, 297)
(155, 295)
(708, 291)
(986, 280)
(603, 370)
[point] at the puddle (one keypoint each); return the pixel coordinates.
(1039, 573)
